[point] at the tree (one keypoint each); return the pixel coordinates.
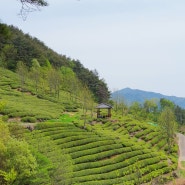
(150, 105)
(150, 109)
(102, 91)
(22, 71)
(17, 163)
(180, 115)
(90, 78)
(54, 81)
(5, 34)
(166, 103)
(35, 73)
(34, 2)
(20, 158)
(7, 55)
(30, 6)
(119, 104)
(70, 81)
(168, 126)
(135, 109)
(87, 102)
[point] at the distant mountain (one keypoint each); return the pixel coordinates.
(132, 95)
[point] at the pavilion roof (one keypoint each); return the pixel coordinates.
(103, 106)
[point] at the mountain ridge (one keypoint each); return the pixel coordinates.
(131, 95)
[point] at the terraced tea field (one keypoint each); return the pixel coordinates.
(108, 153)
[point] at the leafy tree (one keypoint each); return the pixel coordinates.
(20, 158)
(102, 91)
(35, 73)
(22, 72)
(17, 163)
(168, 126)
(150, 110)
(7, 56)
(97, 86)
(120, 105)
(70, 82)
(123, 108)
(180, 115)
(166, 103)
(5, 34)
(54, 81)
(87, 102)
(150, 105)
(135, 109)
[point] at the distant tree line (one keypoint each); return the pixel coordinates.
(149, 110)
(15, 46)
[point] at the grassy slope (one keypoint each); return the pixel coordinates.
(19, 104)
(111, 153)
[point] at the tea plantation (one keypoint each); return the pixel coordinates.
(118, 150)
(110, 153)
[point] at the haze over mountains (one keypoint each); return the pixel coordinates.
(131, 95)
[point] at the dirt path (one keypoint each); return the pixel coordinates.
(181, 143)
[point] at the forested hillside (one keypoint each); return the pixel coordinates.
(136, 95)
(152, 102)
(15, 46)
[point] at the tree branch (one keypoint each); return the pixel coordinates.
(30, 6)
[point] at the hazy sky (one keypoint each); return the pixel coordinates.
(131, 43)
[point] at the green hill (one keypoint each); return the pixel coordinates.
(114, 151)
(16, 46)
(25, 105)
(110, 153)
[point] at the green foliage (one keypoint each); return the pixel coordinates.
(180, 115)
(29, 119)
(8, 177)
(21, 159)
(17, 104)
(22, 71)
(97, 86)
(105, 155)
(4, 33)
(2, 105)
(17, 161)
(168, 126)
(166, 103)
(55, 165)
(66, 118)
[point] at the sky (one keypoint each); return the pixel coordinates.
(131, 43)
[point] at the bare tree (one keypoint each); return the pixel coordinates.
(30, 6)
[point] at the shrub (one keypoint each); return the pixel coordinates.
(5, 118)
(29, 119)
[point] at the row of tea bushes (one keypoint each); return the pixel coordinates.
(105, 156)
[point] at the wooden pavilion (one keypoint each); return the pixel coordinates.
(101, 114)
